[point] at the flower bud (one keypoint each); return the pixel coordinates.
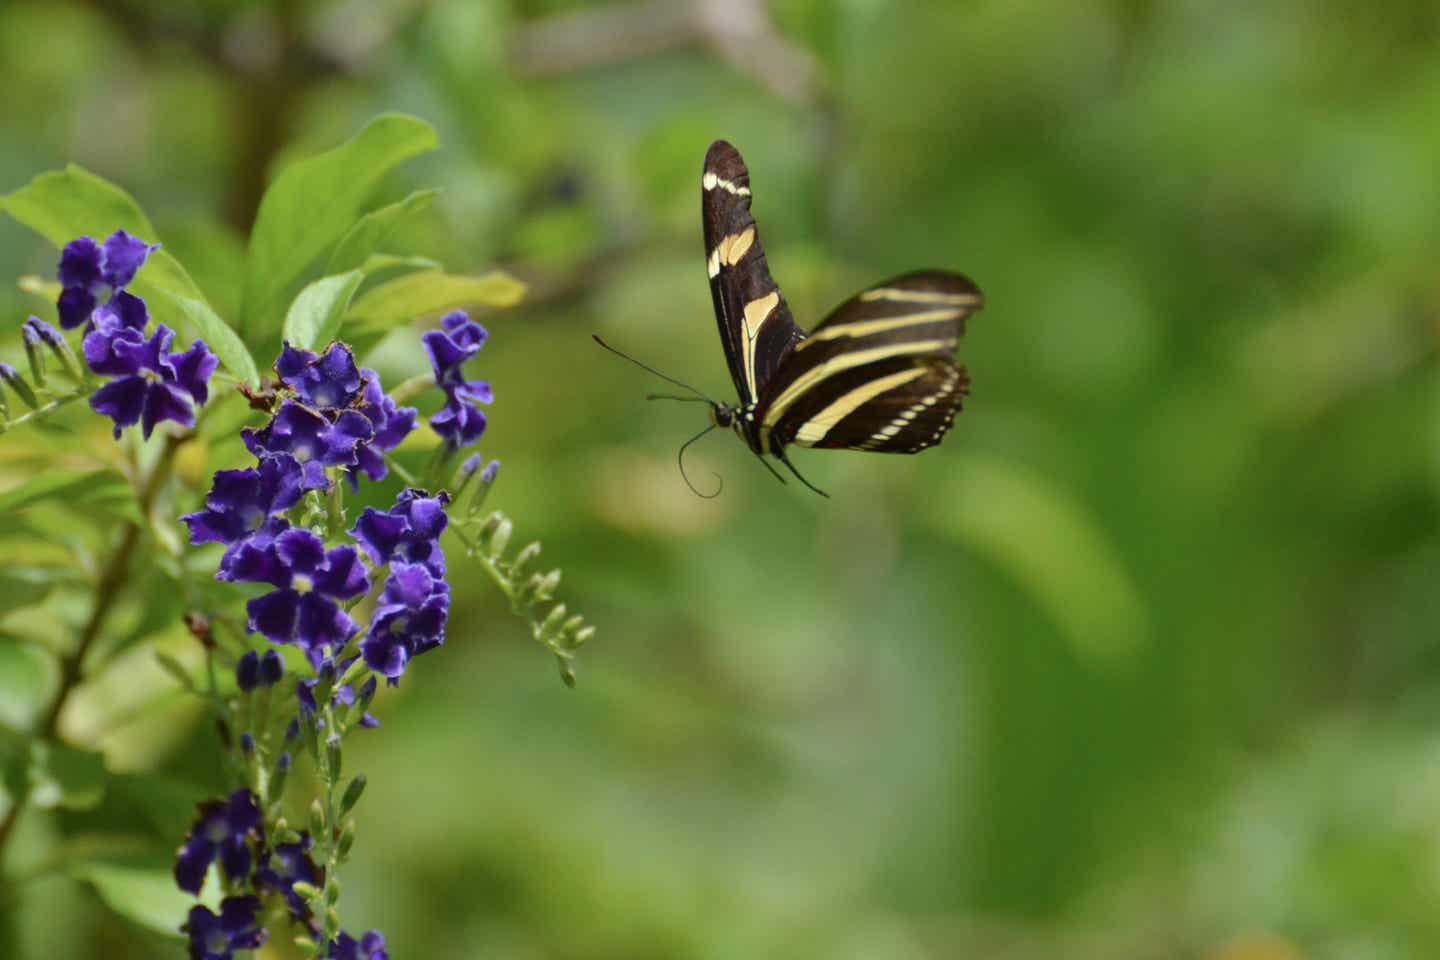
(247, 671)
(247, 744)
(352, 794)
(12, 379)
(525, 557)
(552, 621)
(332, 756)
(272, 668)
(34, 355)
(500, 539)
(58, 345)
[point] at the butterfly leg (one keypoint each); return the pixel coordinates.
(786, 460)
(773, 472)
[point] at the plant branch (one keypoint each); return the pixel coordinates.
(107, 590)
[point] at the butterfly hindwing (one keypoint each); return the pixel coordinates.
(756, 328)
(877, 374)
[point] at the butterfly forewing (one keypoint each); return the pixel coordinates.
(877, 374)
(756, 328)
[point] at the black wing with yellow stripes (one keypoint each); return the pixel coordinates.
(878, 373)
(756, 328)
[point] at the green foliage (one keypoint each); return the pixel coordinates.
(314, 205)
(428, 291)
(314, 316)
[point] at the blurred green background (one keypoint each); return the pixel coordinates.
(1144, 662)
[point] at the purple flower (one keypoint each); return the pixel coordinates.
(459, 423)
(369, 947)
(218, 937)
(458, 340)
(410, 530)
(220, 833)
(89, 271)
(311, 438)
(240, 501)
(151, 385)
(303, 610)
(409, 620)
(390, 423)
(286, 865)
(329, 381)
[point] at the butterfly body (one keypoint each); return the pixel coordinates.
(877, 374)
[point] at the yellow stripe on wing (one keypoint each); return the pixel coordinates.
(814, 430)
(841, 363)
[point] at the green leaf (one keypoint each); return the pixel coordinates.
(417, 294)
(64, 485)
(310, 207)
(389, 262)
(26, 679)
(357, 246)
(60, 205)
(217, 334)
(65, 777)
(314, 317)
(23, 586)
(144, 895)
(1053, 546)
(63, 204)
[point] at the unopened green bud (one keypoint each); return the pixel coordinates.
(549, 584)
(583, 635)
(317, 819)
(332, 757)
(347, 839)
(307, 891)
(525, 557)
(352, 794)
(332, 890)
(500, 539)
(552, 621)
(12, 379)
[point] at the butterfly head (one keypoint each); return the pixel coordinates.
(722, 415)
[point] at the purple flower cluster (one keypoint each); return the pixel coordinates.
(415, 604)
(225, 832)
(151, 384)
(222, 832)
(338, 416)
(459, 338)
(330, 418)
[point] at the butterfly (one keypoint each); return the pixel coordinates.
(876, 374)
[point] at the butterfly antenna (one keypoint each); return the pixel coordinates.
(680, 462)
(671, 396)
(646, 366)
(786, 460)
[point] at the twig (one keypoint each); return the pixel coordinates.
(107, 591)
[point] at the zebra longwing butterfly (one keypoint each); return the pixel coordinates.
(876, 374)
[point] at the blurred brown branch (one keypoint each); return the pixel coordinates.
(740, 31)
